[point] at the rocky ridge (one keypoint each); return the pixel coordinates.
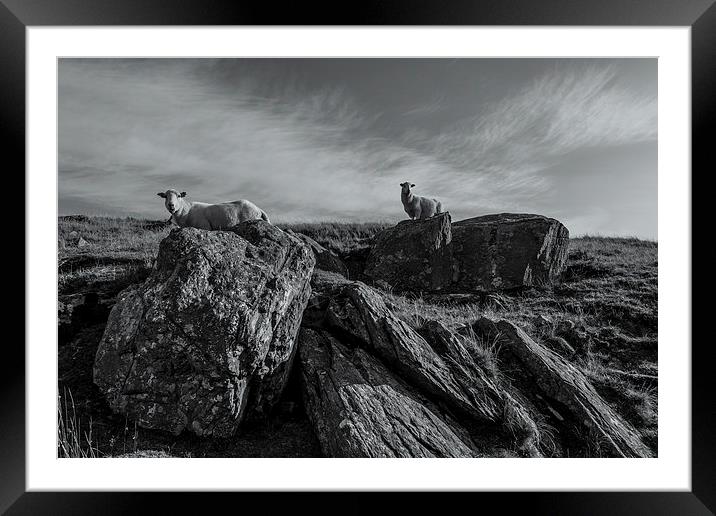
(209, 339)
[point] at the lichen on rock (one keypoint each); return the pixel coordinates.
(210, 335)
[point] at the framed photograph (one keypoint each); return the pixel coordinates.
(434, 249)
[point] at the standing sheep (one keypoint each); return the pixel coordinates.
(202, 215)
(418, 207)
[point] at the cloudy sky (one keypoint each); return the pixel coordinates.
(331, 139)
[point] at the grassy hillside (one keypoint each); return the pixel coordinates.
(602, 317)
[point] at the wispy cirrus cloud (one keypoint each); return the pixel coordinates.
(505, 148)
(428, 108)
(319, 153)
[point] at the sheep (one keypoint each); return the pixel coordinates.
(418, 207)
(202, 215)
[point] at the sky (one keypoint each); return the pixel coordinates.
(332, 139)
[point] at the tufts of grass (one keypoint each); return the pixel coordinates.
(118, 251)
(483, 350)
(72, 440)
(634, 395)
(112, 237)
(416, 310)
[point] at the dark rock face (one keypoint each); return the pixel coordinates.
(414, 255)
(356, 310)
(325, 259)
(209, 337)
(359, 409)
(564, 391)
(79, 311)
(375, 387)
(353, 348)
(508, 250)
(479, 254)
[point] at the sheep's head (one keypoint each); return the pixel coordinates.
(172, 199)
(405, 187)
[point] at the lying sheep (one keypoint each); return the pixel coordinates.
(202, 215)
(418, 207)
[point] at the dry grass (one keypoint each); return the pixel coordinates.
(73, 441)
(112, 237)
(117, 251)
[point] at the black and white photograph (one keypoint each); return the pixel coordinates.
(357, 257)
(269, 249)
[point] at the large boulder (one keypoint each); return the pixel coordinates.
(414, 255)
(209, 337)
(480, 254)
(508, 250)
(359, 409)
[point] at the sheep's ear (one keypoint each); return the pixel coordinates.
(412, 185)
(162, 194)
(183, 194)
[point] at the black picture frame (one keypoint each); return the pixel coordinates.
(700, 15)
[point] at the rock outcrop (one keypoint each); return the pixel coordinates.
(210, 336)
(360, 409)
(414, 255)
(358, 315)
(479, 254)
(508, 250)
(563, 391)
(374, 386)
(359, 362)
(79, 311)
